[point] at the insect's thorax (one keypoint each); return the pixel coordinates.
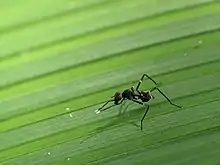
(127, 94)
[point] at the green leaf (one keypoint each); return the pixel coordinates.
(61, 60)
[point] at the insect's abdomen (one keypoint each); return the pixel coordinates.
(146, 97)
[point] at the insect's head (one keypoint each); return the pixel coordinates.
(117, 97)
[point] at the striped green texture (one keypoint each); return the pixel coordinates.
(76, 54)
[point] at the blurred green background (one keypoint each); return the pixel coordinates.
(61, 59)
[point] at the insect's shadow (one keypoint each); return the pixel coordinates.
(124, 116)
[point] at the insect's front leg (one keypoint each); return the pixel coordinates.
(142, 78)
(101, 108)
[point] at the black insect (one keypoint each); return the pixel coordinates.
(137, 96)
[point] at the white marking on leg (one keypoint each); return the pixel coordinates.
(97, 111)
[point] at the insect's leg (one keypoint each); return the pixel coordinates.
(142, 78)
(101, 108)
(132, 87)
(136, 101)
(107, 108)
(121, 101)
(144, 116)
(134, 94)
(155, 88)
